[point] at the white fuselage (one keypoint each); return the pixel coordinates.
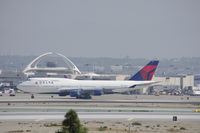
(36, 85)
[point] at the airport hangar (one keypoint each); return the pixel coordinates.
(46, 65)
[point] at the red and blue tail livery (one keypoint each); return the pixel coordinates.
(147, 72)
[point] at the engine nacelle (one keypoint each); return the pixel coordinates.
(97, 92)
(74, 93)
(63, 93)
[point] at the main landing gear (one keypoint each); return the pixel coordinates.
(32, 96)
(83, 95)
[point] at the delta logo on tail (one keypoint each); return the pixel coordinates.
(147, 72)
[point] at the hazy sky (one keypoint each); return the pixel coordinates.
(101, 28)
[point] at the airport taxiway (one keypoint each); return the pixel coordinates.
(97, 101)
(112, 99)
(105, 106)
(46, 116)
(21, 113)
(93, 109)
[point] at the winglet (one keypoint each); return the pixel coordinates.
(147, 72)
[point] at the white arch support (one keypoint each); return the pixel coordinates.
(33, 64)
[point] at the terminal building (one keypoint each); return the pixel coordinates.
(51, 64)
(175, 85)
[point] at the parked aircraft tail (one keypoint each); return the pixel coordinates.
(147, 72)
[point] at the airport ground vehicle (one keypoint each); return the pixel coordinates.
(197, 110)
(12, 92)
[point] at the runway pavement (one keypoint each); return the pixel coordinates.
(93, 109)
(113, 98)
(96, 101)
(45, 116)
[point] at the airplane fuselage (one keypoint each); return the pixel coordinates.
(60, 84)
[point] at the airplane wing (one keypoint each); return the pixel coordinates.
(144, 84)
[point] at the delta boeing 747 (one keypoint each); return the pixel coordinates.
(73, 87)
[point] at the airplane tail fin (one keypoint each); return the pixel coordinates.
(147, 72)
